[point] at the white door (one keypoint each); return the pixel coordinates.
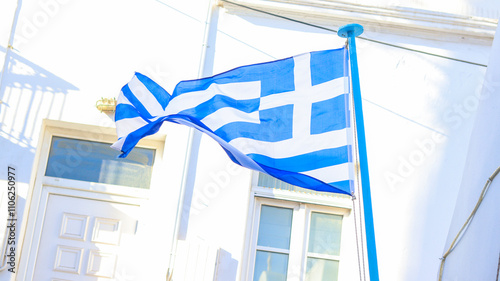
(86, 239)
(85, 206)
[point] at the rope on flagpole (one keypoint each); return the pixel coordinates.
(467, 223)
(361, 261)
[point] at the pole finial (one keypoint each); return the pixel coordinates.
(352, 29)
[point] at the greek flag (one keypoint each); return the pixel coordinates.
(288, 118)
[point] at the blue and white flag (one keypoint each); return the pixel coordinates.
(288, 118)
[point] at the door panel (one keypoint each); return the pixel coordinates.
(87, 239)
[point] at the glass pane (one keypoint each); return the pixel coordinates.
(324, 235)
(97, 162)
(270, 266)
(322, 270)
(275, 227)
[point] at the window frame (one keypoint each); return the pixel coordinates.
(307, 254)
(94, 134)
(100, 142)
(299, 240)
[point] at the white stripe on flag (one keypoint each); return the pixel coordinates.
(123, 100)
(328, 90)
(129, 125)
(331, 174)
(147, 99)
(219, 118)
(237, 91)
(292, 147)
(118, 144)
(303, 89)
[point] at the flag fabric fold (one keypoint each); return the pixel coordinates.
(288, 118)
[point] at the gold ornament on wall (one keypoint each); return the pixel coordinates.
(106, 105)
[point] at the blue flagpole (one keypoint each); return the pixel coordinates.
(350, 32)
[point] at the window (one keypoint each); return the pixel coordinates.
(97, 162)
(295, 241)
(323, 251)
(273, 243)
(299, 234)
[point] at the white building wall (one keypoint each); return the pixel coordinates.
(418, 119)
(476, 255)
(418, 111)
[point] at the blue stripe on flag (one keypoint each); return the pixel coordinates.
(135, 102)
(124, 111)
(305, 181)
(219, 101)
(276, 125)
(275, 77)
(344, 186)
(156, 90)
(306, 162)
(133, 138)
(330, 115)
(325, 66)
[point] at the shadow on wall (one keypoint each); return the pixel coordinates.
(29, 94)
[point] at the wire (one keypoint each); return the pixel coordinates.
(279, 16)
(359, 37)
(421, 52)
(467, 222)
